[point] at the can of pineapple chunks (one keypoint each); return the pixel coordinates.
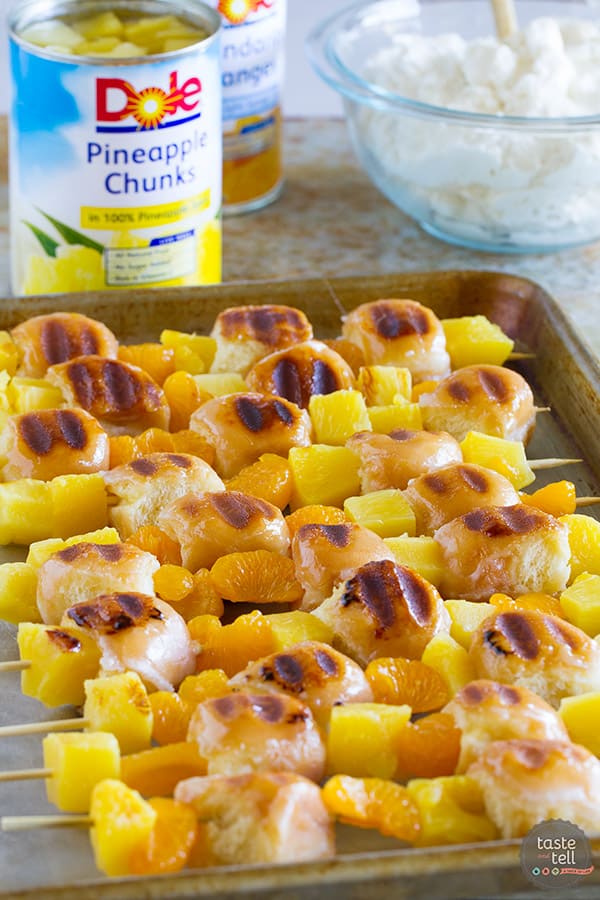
(115, 145)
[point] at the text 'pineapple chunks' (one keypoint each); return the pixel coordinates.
(119, 704)
(78, 762)
(387, 512)
(337, 416)
(581, 603)
(380, 384)
(451, 810)
(323, 475)
(584, 541)
(363, 737)
(474, 340)
(60, 660)
(506, 457)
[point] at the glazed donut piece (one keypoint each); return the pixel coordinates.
(440, 496)
(313, 672)
(548, 655)
(242, 426)
(143, 487)
(392, 460)
(526, 782)
(300, 372)
(85, 570)
(44, 341)
(400, 333)
(52, 442)
(208, 525)
(384, 609)
(139, 633)
(324, 555)
(506, 549)
(490, 399)
(244, 334)
(121, 396)
(487, 711)
(258, 732)
(261, 817)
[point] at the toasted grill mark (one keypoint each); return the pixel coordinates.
(288, 382)
(238, 510)
(36, 434)
(108, 552)
(416, 595)
(324, 379)
(493, 385)
(326, 662)
(391, 321)
(42, 430)
(288, 670)
(60, 343)
(265, 324)
(182, 462)
(64, 641)
(284, 414)
(338, 535)
(227, 706)
(472, 694)
(475, 480)
(121, 386)
(458, 390)
(503, 521)
(509, 696)
(402, 434)
(250, 413)
(561, 631)
(144, 466)
(519, 633)
(83, 384)
(269, 707)
(111, 613)
(437, 484)
(532, 757)
(374, 586)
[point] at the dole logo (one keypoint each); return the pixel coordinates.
(117, 100)
(237, 11)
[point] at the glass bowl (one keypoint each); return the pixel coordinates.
(502, 183)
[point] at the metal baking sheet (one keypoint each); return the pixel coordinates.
(59, 864)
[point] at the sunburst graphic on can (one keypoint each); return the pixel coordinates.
(237, 11)
(150, 106)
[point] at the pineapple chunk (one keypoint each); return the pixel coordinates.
(79, 502)
(362, 739)
(123, 823)
(384, 419)
(60, 661)
(18, 588)
(323, 475)
(78, 762)
(474, 340)
(25, 511)
(584, 540)
(194, 353)
(380, 384)
(388, 513)
(40, 551)
(51, 33)
(102, 25)
(581, 715)
(451, 810)
(219, 385)
(9, 355)
(29, 394)
(289, 628)
(119, 704)
(337, 416)
(452, 661)
(581, 603)
(421, 553)
(466, 619)
(97, 47)
(506, 457)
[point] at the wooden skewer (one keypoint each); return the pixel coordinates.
(24, 823)
(587, 501)
(540, 409)
(15, 665)
(539, 464)
(25, 774)
(505, 18)
(518, 355)
(41, 727)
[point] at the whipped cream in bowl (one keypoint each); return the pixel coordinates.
(487, 144)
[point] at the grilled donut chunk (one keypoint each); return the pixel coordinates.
(526, 782)
(260, 817)
(139, 633)
(249, 732)
(391, 460)
(551, 657)
(44, 341)
(384, 609)
(314, 672)
(487, 711)
(244, 334)
(440, 496)
(400, 333)
(83, 571)
(209, 525)
(141, 488)
(490, 399)
(53, 442)
(241, 427)
(121, 396)
(508, 549)
(324, 555)
(299, 372)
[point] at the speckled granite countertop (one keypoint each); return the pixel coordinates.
(331, 221)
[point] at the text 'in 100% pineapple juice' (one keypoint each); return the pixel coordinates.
(116, 145)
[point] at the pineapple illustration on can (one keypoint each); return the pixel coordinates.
(115, 145)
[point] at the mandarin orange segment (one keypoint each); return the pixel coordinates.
(171, 717)
(428, 747)
(184, 397)
(154, 440)
(171, 840)
(122, 449)
(158, 770)
(314, 514)
(407, 681)
(269, 478)
(156, 360)
(373, 803)
(173, 582)
(231, 647)
(423, 387)
(152, 539)
(556, 499)
(349, 351)
(544, 603)
(256, 576)
(203, 599)
(207, 685)
(186, 441)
